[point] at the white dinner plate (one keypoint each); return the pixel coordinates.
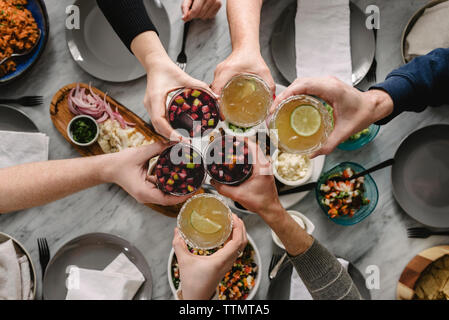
(97, 49)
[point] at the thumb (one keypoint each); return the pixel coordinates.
(218, 84)
(192, 82)
(149, 151)
(185, 7)
(179, 245)
(223, 189)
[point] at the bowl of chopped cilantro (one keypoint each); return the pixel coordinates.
(360, 139)
(346, 201)
(83, 130)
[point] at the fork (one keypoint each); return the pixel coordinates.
(276, 263)
(424, 233)
(28, 101)
(181, 60)
(44, 254)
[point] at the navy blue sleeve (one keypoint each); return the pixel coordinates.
(422, 82)
(128, 18)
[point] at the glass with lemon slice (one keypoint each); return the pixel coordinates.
(245, 100)
(301, 124)
(205, 221)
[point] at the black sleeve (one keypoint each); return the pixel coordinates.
(129, 18)
(422, 82)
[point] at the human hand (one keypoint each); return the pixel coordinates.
(241, 61)
(257, 194)
(199, 9)
(354, 110)
(128, 169)
(210, 269)
(163, 78)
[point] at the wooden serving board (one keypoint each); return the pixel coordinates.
(61, 116)
(412, 272)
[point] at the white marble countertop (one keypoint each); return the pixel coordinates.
(379, 240)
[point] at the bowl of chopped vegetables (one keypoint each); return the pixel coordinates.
(83, 130)
(360, 139)
(346, 202)
(240, 283)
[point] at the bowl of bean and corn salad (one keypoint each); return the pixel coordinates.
(239, 283)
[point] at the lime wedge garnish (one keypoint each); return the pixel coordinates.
(305, 120)
(247, 89)
(203, 224)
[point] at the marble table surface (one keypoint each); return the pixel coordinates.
(379, 240)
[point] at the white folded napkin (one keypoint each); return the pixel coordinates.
(120, 280)
(298, 290)
(429, 32)
(322, 39)
(15, 276)
(22, 147)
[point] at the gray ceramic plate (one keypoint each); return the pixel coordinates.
(280, 287)
(100, 52)
(420, 175)
(363, 44)
(411, 24)
(92, 251)
(21, 250)
(12, 119)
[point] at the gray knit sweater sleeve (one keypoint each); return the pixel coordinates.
(323, 275)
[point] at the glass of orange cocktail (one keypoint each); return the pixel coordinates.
(245, 100)
(300, 124)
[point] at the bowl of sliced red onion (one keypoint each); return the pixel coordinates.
(84, 101)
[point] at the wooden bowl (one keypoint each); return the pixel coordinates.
(414, 269)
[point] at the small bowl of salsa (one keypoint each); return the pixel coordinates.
(349, 201)
(83, 130)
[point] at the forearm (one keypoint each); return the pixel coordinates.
(244, 23)
(418, 84)
(128, 18)
(35, 184)
(324, 277)
(148, 49)
(294, 238)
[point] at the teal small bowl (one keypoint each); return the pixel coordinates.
(371, 193)
(350, 145)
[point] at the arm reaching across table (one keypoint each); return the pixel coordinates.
(420, 83)
(412, 87)
(323, 275)
(131, 22)
(36, 184)
(244, 22)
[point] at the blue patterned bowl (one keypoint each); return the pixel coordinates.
(25, 63)
(371, 193)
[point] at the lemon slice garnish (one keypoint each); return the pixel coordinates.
(305, 120)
